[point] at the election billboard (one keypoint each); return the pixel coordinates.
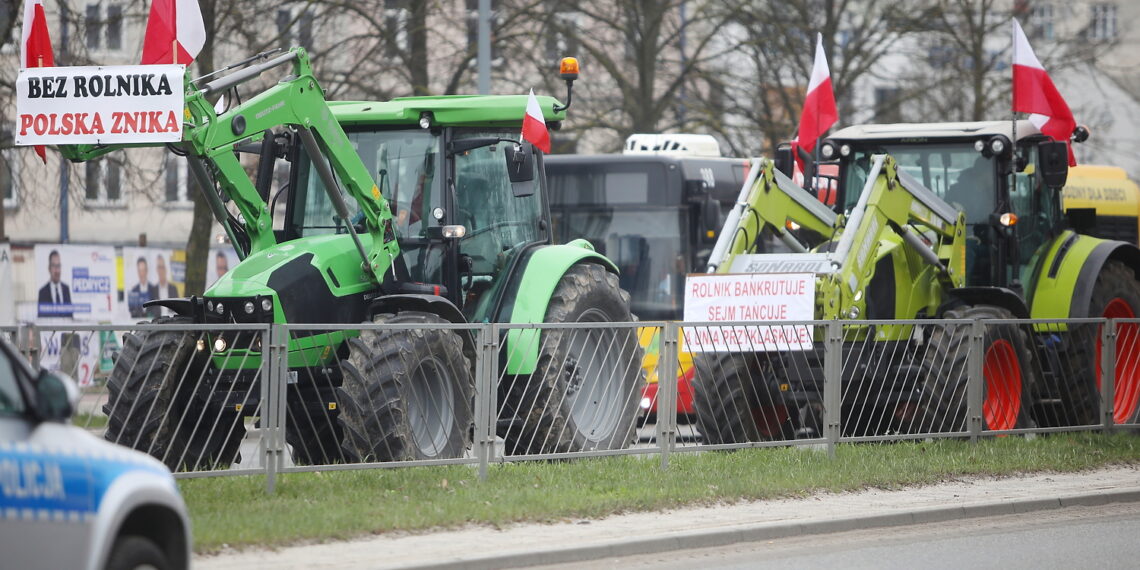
(76, 283)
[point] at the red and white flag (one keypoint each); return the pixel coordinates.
(174, 32)
(534, 126)
(1034, 93)
(820, 112)
(35, 46)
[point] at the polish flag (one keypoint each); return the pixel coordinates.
(174, 32)
(35, 46)
(1034, 93)
(820, 112)
(534, 126)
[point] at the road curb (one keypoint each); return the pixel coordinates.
(757, 532)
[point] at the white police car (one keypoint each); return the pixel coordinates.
(71, 500)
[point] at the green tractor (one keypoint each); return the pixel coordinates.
(418, 213)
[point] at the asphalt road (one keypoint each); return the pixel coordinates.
(1075, 537)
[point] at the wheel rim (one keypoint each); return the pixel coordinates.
(431, 413)
(1002, 371)
(1127, 375)
(593, 378)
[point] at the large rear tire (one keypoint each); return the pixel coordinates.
(733, 405)
(150, 404)
(1007, 367)
(583, 395)
(1115, 295)
(407, 393)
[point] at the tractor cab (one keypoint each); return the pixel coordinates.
(460, 221)
(1011, 201)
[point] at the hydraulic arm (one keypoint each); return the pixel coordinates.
(210, 141)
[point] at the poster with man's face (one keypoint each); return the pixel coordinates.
(75, 283)
(219, 263)
(149, 274)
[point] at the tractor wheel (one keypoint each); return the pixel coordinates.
(1007, 367)
(730, 407)
(1115, 295)
(407, 393)
(583, 395)
(150, 405)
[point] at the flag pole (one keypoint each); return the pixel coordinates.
(1013, 89)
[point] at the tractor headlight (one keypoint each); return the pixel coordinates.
(827, 150)
(997, 145)
(200, 345)
(425, 120)
(248, 307)
(219, 309)
(220, 344)
(979, 145)
(266, 304)
(210, 306)
(1008, 219)
(845, 150)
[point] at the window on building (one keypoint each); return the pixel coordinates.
(114, 27)
(1103, 23)
(473, 29)
(178, 183)
(93, 25)
(8, 178)
(1041, 21)
(562, 38)
(396, 21)
(295, 27)
(103, 26)
(887, 101)
(103, 182)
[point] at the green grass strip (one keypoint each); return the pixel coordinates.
(315, 507)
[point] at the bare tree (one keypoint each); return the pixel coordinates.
(764, 81)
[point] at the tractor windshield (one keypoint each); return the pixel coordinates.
(403, 165)
(958, 174)
(955, 172)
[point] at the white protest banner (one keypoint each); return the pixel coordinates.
(749, 297)
(99, 104)
(79, 282)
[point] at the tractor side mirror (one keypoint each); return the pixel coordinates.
(1053, 163)
(710, 219)
(520, 168)
(784, 161)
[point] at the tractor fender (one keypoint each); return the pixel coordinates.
(541, 272)
(1101, 254)
(995, 296)
(1065, 280)
(183, 307)
(433, 304)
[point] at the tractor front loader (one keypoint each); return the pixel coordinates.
(414, 213)
(888, 257)
(1026, 255)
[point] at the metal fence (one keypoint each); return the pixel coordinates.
(214, 400)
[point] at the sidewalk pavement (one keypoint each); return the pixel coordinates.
(640, 533)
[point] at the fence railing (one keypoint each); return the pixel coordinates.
(213, 400)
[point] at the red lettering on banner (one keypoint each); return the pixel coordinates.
(25, 123)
